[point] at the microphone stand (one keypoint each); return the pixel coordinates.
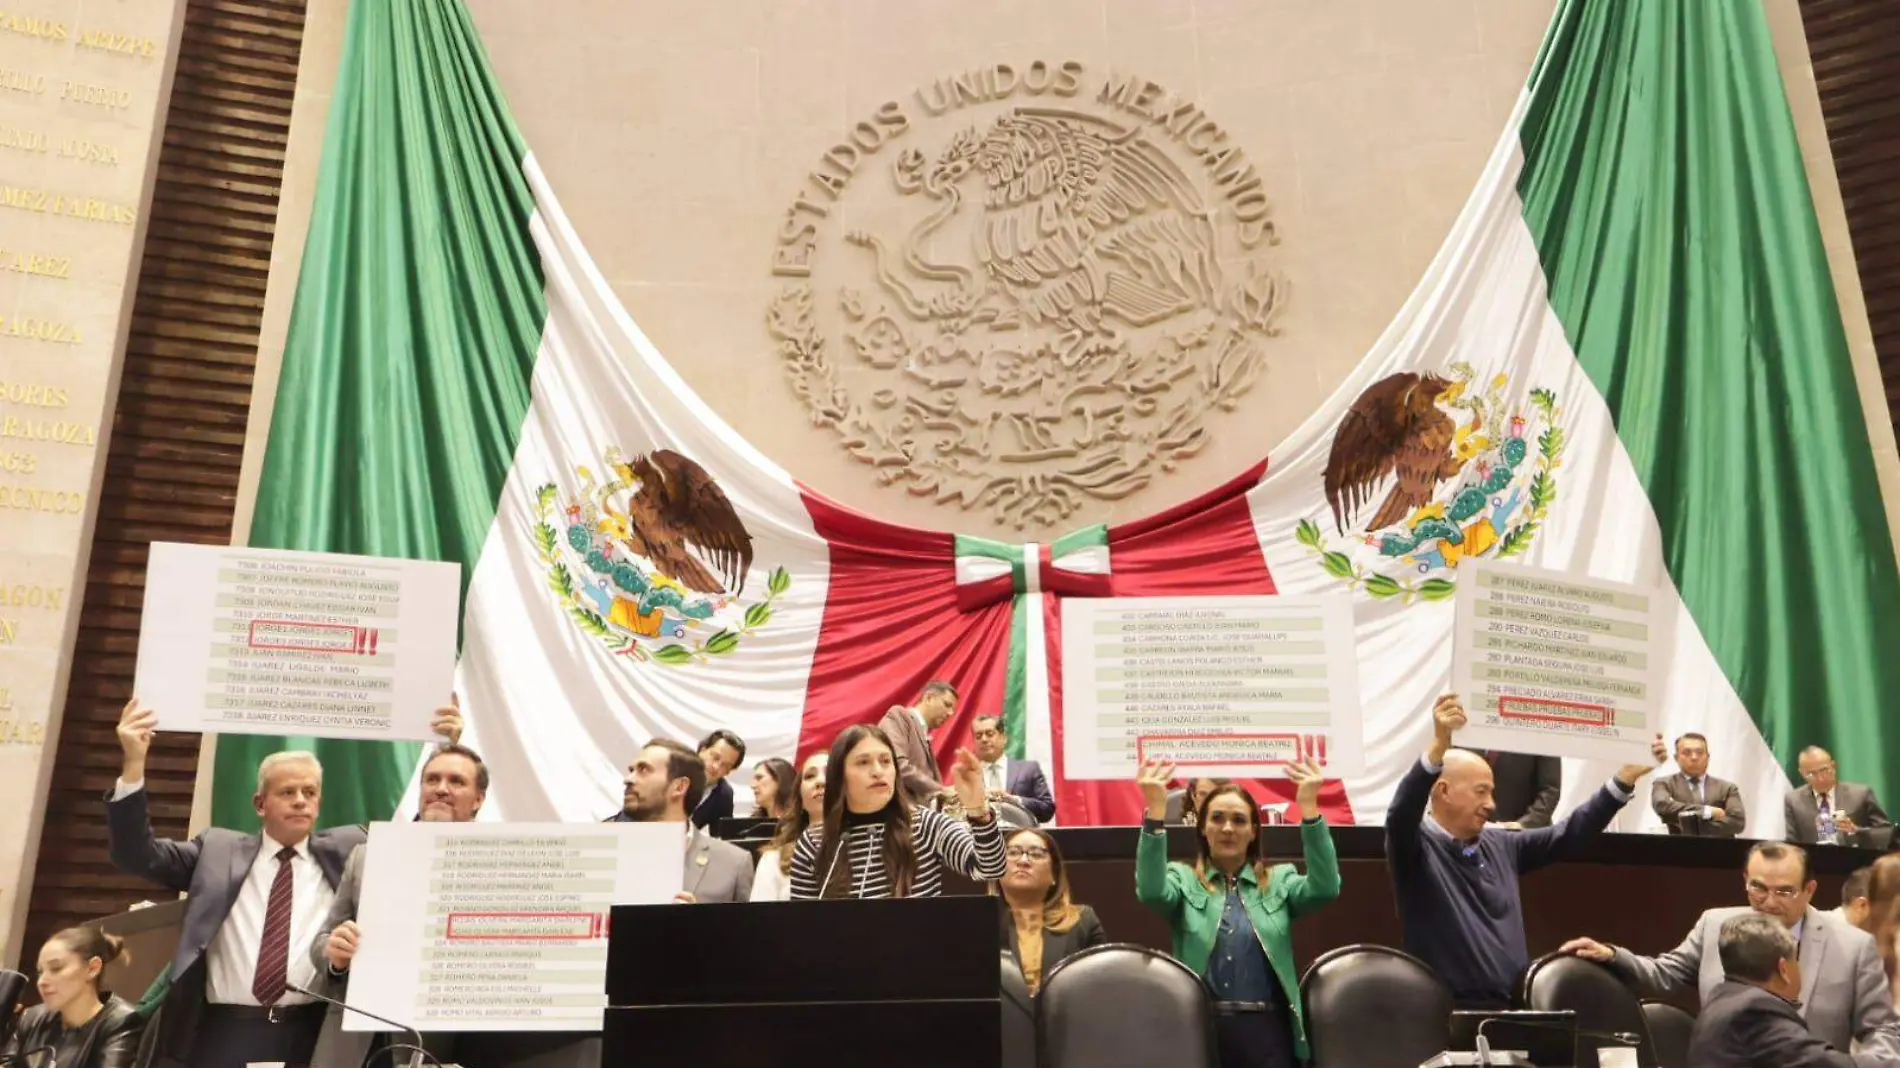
(416, 1054)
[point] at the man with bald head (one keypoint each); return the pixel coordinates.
(1456, 880)
(1827, 811)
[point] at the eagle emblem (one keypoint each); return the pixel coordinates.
(649, 556)
(1426, 471)
(1057, 314)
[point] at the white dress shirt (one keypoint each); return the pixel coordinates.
(768, 882)
(996, 775)
(231, 959)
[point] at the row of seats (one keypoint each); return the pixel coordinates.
(1366, 1007)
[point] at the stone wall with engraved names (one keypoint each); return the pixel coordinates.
(83, 92)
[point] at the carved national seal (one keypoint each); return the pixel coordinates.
(1043, 300)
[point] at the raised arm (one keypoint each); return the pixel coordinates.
(1407, 811)
(1319, 883)
(1153, 888)
(129, 839)
(976, 848)
(1540, 847)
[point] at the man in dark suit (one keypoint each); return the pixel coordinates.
(720, 753)
(1692, 801)
(256, 902)
(1526, 789)
(454, 785)
(909, 730)
(1751, 1019)
(1851, 807)
(663, 784)
(1019, 782)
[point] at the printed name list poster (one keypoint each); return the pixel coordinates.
(1224, 686)
(266, 641)
(500, 926)
(1554, 664)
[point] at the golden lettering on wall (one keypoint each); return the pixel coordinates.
(91, 209)
(19, 463)
(124, 44)
(61, 432)
(33, 395)
(33, 26)
(19, 81)
(9, 631)
(6, 699)
(99, 96)
(43, 264)
(26, 595)
(33, 499)
(21, 732)
(28, 328)
(84, 151)
(1081, 282)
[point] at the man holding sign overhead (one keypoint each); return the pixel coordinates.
(1457, 880)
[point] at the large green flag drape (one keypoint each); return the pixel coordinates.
(419, 310)
(1665, 190)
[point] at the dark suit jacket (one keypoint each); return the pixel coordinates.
(715, 806)
(916, 762)
(1675, 803)
(1527, 788)
(212, 868)
(112, 1042)
(1802, 808)
(1024, 779)
(1056, 946)
(1744, 1026)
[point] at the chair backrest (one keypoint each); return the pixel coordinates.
(1669, 1031)
(1374, 1007)
(1177, 802)
(1013, 815)
(1603, 1004)
(1122, 1004)
(1019, 1015)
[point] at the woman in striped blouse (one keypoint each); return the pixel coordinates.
(874, 844)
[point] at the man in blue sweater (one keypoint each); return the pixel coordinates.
(1456, 879)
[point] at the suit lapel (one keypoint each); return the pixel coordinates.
(1812, 954)
(697, 860)
(242, 859)
(328, 860)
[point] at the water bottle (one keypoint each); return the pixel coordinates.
(1824, 831)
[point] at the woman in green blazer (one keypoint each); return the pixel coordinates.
(1232, 913)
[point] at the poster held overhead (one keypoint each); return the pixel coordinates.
(268, 641)
(1225, 686)
(1554, 664)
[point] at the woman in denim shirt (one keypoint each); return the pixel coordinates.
(1232, 914)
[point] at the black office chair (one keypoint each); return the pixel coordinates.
(1121, 1004)
(1374, 1007)
(1019, 1016)
(1669, 1030)
(1013, 815)
(1604, 1006)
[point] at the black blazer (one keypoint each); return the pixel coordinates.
(1527, 788)
(715, 806)
(1742, 1026)
(1086, 932)
(111, 1040)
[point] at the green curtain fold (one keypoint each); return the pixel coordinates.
(1667, 196)
(407, 368)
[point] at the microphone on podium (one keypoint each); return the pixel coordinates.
(416, 1052)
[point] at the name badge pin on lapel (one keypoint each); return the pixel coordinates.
(700, 860)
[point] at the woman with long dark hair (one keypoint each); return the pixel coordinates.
(774, 789)
(1042, 924)
(772, 880)
(873, 843)
(1232, 913)
(78, 1022)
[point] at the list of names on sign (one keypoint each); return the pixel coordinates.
(511, 933)
(261, 641)
(1556, 664)
(1214, 685)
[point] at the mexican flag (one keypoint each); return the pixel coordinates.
(1629, 337)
